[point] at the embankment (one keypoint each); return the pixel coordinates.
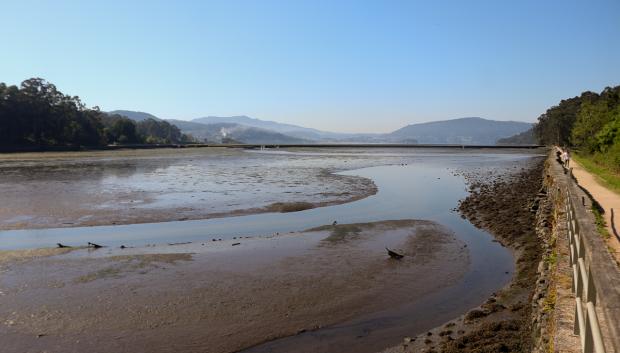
(593, 259)
(536, 311)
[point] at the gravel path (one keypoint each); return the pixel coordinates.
(606, 198)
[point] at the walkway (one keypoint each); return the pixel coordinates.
(606, 198)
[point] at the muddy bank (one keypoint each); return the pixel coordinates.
(54, 190)
(504, 203)
(216, 297)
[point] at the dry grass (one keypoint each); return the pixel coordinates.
(7, 256)
(284, 207)
(128, 263)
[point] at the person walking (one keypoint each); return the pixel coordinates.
(564, 158)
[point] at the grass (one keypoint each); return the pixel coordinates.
(341, 232)
(285, 207)
(103, 273)
(550, 300)
(7, 256)
(599, 220)
(126, 263)
(610, 178)
(551, 259)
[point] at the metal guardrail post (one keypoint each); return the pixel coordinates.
(613, 224)
(597, 339)
(586, 321)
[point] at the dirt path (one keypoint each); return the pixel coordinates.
(606, 198)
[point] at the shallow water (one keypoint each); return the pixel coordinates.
(423, 189)
(426, 188)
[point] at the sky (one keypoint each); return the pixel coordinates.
(349, 66)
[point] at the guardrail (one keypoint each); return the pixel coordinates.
(586, 321)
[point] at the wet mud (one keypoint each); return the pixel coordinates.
(215, 297)
(53, 190)
(73, 189)
(276, 293)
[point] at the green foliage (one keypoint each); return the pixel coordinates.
(120, 129)
(600, 223)
(609, 135)
(525, 138)
(592, 120)
(37, 114)
(555, 125)
(158, 131)
(589, 124)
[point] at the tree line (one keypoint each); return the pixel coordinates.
(37, 114)
(588, 123)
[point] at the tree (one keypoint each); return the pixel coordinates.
(159, 131)
(120, 129)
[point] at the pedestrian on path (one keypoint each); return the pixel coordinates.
(564, 158)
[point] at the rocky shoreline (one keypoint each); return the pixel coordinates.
(514, 208)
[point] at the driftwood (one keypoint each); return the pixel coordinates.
(62, 245)
(394, 254)
(234, 244)
(183, 243)
(93, 245)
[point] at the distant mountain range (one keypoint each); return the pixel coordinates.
(463, 131)
(287, 129)
(524, 138)
(133, 115)
(214, 129)
(221, 131)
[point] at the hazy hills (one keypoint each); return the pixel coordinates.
(465, 131)
(287, 129)
(468, 131)
(222, 131)
(524, 138)
(133, 115)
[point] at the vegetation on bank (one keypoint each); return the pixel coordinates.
(525, 138)
(37, 114)
(589, 125)
(610, 178)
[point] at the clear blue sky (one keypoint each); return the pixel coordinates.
(369, 66)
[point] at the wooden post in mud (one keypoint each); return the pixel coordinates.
(613, 224)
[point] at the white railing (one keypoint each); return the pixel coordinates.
(586, 320)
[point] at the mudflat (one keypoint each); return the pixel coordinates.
(71, 189)
(216, 297)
